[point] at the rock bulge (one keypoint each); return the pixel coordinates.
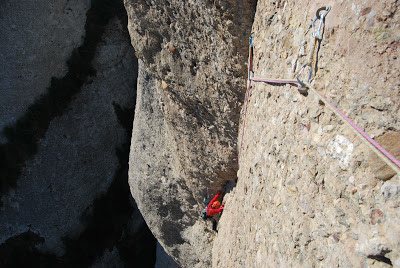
(191, 82)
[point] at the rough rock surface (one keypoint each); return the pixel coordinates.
(190, 89)
(65, 200)
(82, 135)
(390, 140)
(34, 49)
(309, 193)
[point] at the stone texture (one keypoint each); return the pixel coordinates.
(77, 159)
(164, 199)
(34, 48)
(191, 84)
(307, 192)
(340, 148)
(391, 142)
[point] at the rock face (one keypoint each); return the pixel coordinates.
(34, 49)
(63, 165)
(381, 170)
(190, 88)
(309, 193)
(75, 139)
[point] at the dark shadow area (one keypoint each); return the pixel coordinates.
(106, 226)
(229, 186)
(381, 258)
(138, 249)
(107, 223)
(20, 250)
(24, 135)
(111, 213)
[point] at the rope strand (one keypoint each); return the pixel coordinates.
(389, 159)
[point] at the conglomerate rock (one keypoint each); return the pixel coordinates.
(191, 84)
(309, 192)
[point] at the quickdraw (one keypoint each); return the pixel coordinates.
(316, 35)
(371, 143)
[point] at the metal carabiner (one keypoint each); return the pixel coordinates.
(250, 63)
(319, 17)
(316, 36)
